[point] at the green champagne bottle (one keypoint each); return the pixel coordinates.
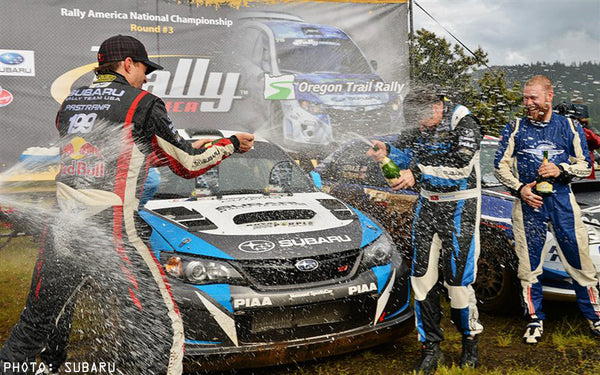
(543, 185)
(210, 143)
(390, 171)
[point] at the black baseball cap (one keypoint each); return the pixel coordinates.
(119, 47)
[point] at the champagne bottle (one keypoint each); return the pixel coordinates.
(210, 143)
(543, 185)
(390, 170)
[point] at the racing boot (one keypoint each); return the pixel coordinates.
(595, 328)
(431, 357)
(533, 332)
(470, 356)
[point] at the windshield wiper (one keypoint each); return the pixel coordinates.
(221, 193)
(159, 196)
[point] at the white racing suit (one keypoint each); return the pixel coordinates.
(445, 162)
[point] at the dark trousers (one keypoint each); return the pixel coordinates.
(73, 254)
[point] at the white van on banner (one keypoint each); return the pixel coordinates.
(300, 74)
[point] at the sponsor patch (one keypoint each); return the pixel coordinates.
(256, 246)
(362, 288)
(82, 123)
(308, 241)
(252, 302)
(17, 63)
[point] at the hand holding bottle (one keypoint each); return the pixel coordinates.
(546, 174)
(378, 151)
(389, 169)
(549, 170)
(406, 180)
(531, 198)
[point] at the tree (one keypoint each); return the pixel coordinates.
(492, 101)
(448, 67)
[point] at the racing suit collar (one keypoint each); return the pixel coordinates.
(111, 77)
(540, 124)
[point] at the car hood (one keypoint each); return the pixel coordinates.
(253, 226)
(497, 204)
(356, 89)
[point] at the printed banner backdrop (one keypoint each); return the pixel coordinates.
(301, 74)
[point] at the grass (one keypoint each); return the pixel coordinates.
(17, 260)
(566, 349)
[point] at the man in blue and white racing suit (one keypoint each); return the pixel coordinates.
(518, 163)
(441, 154)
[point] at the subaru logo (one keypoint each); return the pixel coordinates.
(256, 246)
(11, 58)
(307, 265)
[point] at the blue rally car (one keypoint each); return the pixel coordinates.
(267, 269)
(350, 174)
(317, 82)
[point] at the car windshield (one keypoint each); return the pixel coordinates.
(488, 151)
(320, 55)
(265, 169)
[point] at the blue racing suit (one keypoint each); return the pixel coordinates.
(518, 158)
(445, 163)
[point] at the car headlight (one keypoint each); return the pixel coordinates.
(379, 252)
(311, 107)
(200, 271)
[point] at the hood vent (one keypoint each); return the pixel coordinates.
(277, 215)
(190, 219)
(338, 209)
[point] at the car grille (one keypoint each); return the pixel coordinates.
(282, 272)
(297, 322)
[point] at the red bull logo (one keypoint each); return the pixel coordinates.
(82, 168)
(77, 149)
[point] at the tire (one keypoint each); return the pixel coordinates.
(496, 286)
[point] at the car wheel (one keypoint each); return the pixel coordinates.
(496, 287)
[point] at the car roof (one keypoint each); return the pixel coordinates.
(269, 15)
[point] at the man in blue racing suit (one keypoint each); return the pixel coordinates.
(441, 154)
(518, 163)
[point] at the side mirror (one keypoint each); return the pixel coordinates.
(281, 174)
(265, 65)
(374, 64)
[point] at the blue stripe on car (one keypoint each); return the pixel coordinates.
(175, 235)
(370, 230)
(219, 292)
(382, 273)
(391, 316)
(196, 342)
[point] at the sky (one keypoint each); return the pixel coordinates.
(516, 32)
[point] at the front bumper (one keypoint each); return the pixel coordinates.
(229, 326)
(198, 357)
